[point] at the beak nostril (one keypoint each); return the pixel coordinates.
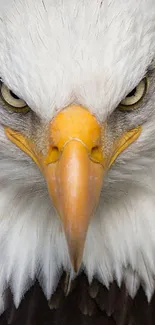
(96, 154)
(53, 155)
(94, 151)
(55, 149)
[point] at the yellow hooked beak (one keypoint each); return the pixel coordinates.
(73, 167)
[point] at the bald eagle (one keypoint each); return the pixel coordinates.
(77, 162)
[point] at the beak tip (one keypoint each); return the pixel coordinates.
(76, 265)
(76, 255)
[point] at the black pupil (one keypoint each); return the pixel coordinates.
(132, 93)
(13, 95)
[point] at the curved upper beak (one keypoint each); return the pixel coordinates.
(75, 178)
(74, 167)
(74, 183)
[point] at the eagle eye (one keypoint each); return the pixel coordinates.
(135, 96)
(12, 100)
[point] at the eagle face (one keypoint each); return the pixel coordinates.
(77, 147)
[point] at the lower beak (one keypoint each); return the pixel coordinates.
(74, 168)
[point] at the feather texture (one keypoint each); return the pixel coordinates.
(110, 307)
(53, 53)
(90, 52)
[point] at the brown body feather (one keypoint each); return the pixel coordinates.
(84, 305)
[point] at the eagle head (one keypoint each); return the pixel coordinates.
(77, 142)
